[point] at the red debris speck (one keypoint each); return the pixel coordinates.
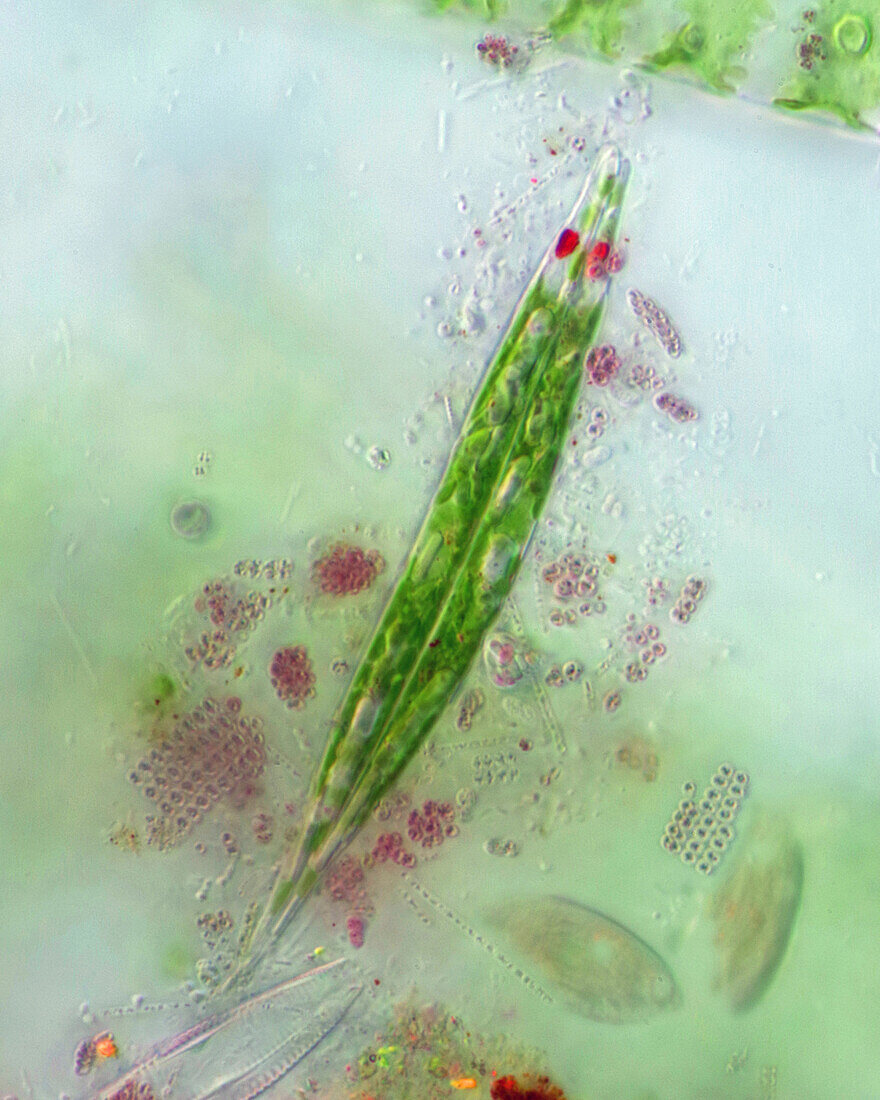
(568, 241)
(527, 1088)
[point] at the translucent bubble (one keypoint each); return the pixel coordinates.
(190, 519)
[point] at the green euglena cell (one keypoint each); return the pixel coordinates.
(466, 556)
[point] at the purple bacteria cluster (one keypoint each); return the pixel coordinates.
(601, 364)
(261, 825)
(291, 674)
(432, 824)
(692, 593)
(231, 617)
(133, 1090)
(345, 882)
(644, 638)
(575, 581)
(86, 1054)
(389, 846)
(676, 408)
(213, 752)
(497, 50)
(655, 321)
(347, 570)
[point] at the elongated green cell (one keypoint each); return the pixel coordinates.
(468, 552)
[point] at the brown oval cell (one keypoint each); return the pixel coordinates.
(754, 912)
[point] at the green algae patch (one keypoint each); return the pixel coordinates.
(489, 8)
(599, 23)
(714, 41)
(426, 1052)
(602, 969)
(754, 913)
(837, 63)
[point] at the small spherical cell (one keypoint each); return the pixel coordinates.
(852, 34)
(190, 519)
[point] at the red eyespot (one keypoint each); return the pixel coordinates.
(568, 241)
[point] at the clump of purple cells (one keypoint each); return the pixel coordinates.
(231, 617)
(432, 824)
(495, 49)
(601, 365)
(211, 753)
(676, 408)
(291, 674)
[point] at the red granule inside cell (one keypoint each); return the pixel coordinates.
(346, 570)
(568, 241)
(290, 673)
(599, 252)
(528, 1087)
(601, 365)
